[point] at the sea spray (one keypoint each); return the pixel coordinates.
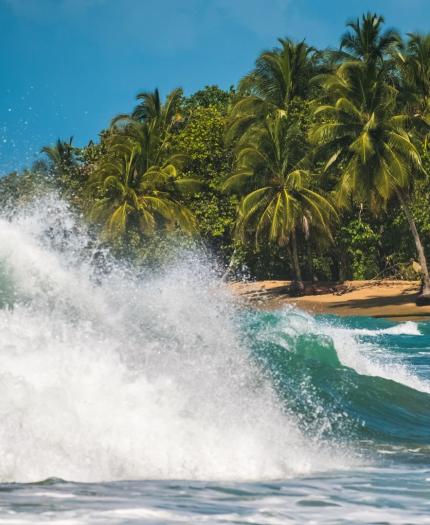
(118, 377)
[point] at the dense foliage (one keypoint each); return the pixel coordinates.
(314, 167)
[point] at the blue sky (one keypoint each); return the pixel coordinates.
(68, 66)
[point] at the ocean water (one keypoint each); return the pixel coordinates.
(156, 398)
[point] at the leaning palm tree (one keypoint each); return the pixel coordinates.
(135, 193)
(280, 76)
(278, 197)
(363, 138)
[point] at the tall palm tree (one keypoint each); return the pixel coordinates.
(152, 108)
(365, 40)
(280, 76)
(150, 126)
(361, 134)
(137, 181)
(278, 197)
(138, 187)
(414, 67)
(151, 144)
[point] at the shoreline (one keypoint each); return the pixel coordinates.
(388, 299)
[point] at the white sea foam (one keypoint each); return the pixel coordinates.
(114, 377)
(406, 328)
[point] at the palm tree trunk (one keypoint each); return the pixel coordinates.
(310, 263)
(297, 286)
(420, 249)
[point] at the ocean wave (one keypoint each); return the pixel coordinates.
(112, 376)
(316, 362)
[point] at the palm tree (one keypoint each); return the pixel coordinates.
(360, 134)
(414, 67)
(66, 169)
(137, 181)
(139, 188)
(150, 126)
(152, 147)
(278, 195)
(159, 115)
(61, 156)
(152, 108)
(280, 76)
(365, 41)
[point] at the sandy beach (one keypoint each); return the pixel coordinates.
(386, 299)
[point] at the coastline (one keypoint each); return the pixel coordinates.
(390, 299)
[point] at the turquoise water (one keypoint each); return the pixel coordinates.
(130, 398)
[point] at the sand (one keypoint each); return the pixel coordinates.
(387, 299)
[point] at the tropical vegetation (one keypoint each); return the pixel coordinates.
(314, 167)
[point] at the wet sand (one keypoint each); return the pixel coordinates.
(387, 299)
